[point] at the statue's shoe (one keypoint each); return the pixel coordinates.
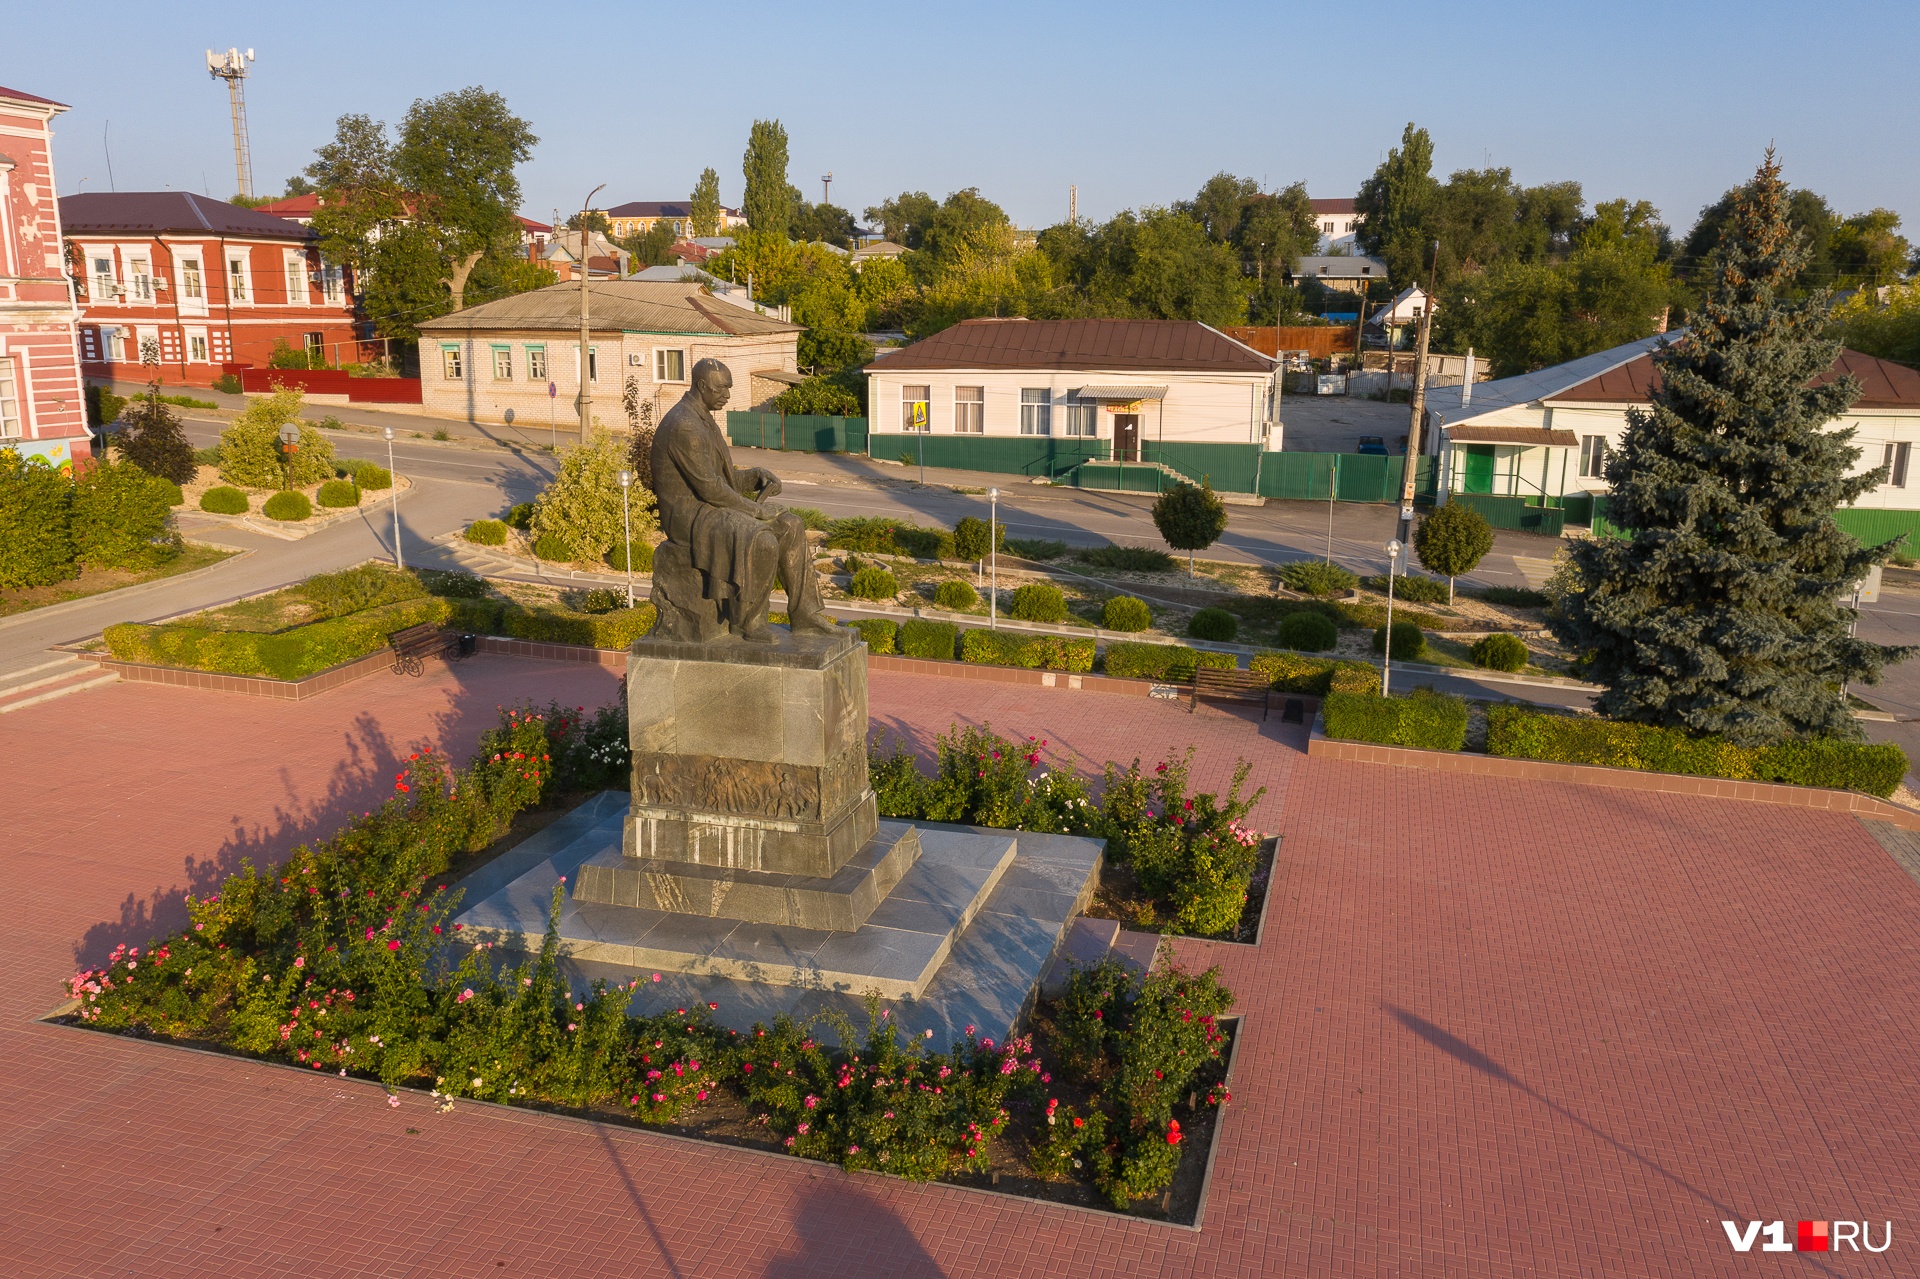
(757, 632)
(812, 623)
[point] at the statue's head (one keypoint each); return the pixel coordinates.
(714, 383)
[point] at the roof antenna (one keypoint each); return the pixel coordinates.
(108, 147)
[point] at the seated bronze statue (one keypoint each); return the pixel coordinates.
(725, 542)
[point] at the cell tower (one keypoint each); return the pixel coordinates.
(231, 66)
(826, 187)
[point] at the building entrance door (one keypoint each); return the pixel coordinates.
(1126, 437)
(1477, 469)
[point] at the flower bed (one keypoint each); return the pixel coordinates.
(1191, 856)
(343, 960)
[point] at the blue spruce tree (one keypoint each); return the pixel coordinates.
(1723, 609)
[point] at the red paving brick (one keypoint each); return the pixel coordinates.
(1495, 1027)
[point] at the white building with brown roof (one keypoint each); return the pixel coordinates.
(518, 359)
(1037, 396)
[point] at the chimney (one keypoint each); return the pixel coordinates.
(1466, 383)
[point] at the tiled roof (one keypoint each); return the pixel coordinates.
(614, 305)
(1332, 206)
(293, 206)
(1147, 345)
(1512, 435)
(18, 96)
(660, 209)
(1882, 385)
(154, 212)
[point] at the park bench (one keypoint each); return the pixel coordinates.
(1234, 686)
(414, 645)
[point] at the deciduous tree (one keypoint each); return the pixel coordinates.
(1452, 541)
(1190, 519)
(769, 198)
(703, 206)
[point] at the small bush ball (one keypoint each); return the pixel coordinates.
(1125, 613)
(1039, 602)
(369, 476)
(1308, 632)
(339, 493)
(873, 583)
(521, 516)
(551, 546)
(955, 595)
(1408, 641)
(288, 507)
(1499, 652)
(487, 533)
(174, 494)
(1214, 624)
(642, 557)
(224, 500)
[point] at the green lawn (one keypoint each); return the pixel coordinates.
(100, 581)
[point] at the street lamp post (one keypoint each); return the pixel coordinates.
(993, 559)
(393, 482)
(1386, 661)
(626, 518)
(586, 394)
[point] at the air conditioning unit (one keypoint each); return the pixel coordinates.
(633, 358)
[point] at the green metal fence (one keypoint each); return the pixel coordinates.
(1871, 528)
(798, 432)
(1041, 455)
(1514, 513)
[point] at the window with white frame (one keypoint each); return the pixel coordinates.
(316, 345)
(296, 269)
(969, 410)
(1896, 464)
(1083, 417)
(915, 408)
(140, 279)
(332, 280)
(537, 363)
(503, 364)
(237, 281)
(103, 279)
(450, 363)
(1036, 410)
(669, 364)
(9, 401)
(192, 288)
(1593, 457)
(197, 346)
(593, 364)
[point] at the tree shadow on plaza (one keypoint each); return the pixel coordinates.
(359, 780)
(1465, 1053)
(836, 1230)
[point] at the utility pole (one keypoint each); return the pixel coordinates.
(586, 355)
(231, 66)
(1417, 403)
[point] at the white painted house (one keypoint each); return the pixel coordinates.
(1549, 432)
(518, 359)
(1103, 388)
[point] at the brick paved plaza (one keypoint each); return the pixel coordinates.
(1494, 1028)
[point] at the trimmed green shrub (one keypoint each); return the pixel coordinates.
(955, 595)
(873, 583)
(487, 533)
(1317, 577)
(452, 584)
(227, 384)
(288, 507)
(336, 494)
(924, 543)
(176, 496)
(814, 519)
(1316, 677)
(1039, 602)
(1031, 548)
(642, 556)
(36, 529)
(1030, 652)
(1136, 559)
(1452, 541)
(1426, 719)
(613, 630)
(250, 446)
(880, 633)
(553, 547)
(1354, 677)
(1125, 613)
(121, 517)
(1499, 652)
(1308, 632)
(1410, 586)
(971, 535)
(1409, 642)
(870, 533)
(935, 640)
(598, 600)
(222, 500)
(1515, 597)
(1518, 733)
(1214, 624)
(361, 587)
(1133, 660)
(520, 516)
(289, 654)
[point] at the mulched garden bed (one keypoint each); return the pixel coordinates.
(1118, 896)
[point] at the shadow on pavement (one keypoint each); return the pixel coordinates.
(839, 1231)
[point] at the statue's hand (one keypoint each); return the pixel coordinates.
(764, 481)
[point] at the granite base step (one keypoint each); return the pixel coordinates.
(840, 902)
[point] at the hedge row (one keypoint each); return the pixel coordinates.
(1316, 677)
(1517, 733)
(614, 630)
(290, 654)
(1433, 721)
(1129, 660)
(1029, 652)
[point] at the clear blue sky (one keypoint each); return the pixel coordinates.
(1137, 104)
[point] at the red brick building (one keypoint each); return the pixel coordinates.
(210, 282)
(42, 409)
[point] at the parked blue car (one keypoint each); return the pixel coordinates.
(1372, 444)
